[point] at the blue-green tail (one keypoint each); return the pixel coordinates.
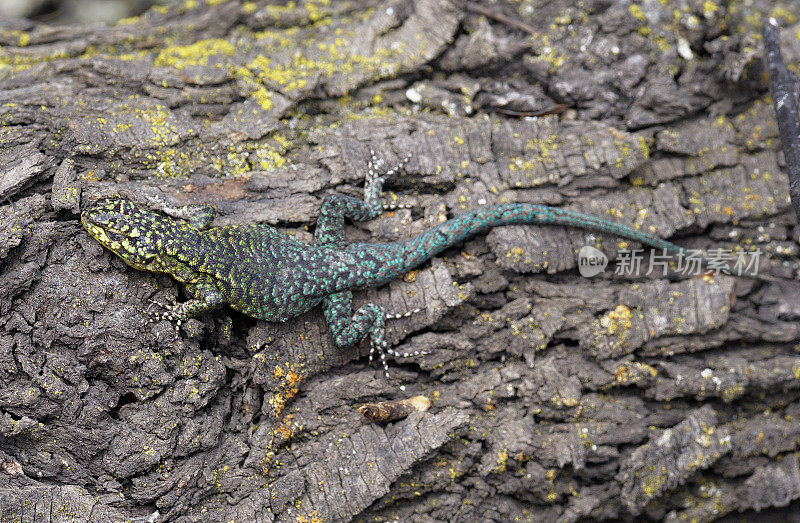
(389, 261)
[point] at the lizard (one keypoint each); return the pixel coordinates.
(269, 275)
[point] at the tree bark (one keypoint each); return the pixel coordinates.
(553, 396)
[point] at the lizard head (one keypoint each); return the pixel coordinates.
(130, 232)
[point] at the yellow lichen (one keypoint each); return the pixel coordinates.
(644, 148)
(502, 460)
(263, 97)
(617, 321)
(636, 11)
(198, 53)
(709, 8)
(129, 20)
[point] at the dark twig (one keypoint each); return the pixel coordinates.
(557, 109)
(783, 86)
(500, 17)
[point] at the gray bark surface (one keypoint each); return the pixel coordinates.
(554, 397)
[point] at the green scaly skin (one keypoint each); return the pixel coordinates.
(268, 275)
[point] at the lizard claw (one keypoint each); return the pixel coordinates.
(396, 168)
(373, 187)
(382, 349)
(395, 354)
(374, 165)
(379, 347)
(168, 314)
(402, 314)
(395, 206)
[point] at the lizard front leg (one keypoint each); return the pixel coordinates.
(205, 295)
(206, 298)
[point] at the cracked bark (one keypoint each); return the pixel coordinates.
(554, 397)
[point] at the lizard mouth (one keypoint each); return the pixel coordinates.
(102, 236)
(108, 238)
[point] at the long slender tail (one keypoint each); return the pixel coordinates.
(390, 261)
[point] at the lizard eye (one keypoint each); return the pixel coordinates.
(101, 217)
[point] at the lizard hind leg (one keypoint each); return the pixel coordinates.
(336, 207)
(373, 188)
(368, 321)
